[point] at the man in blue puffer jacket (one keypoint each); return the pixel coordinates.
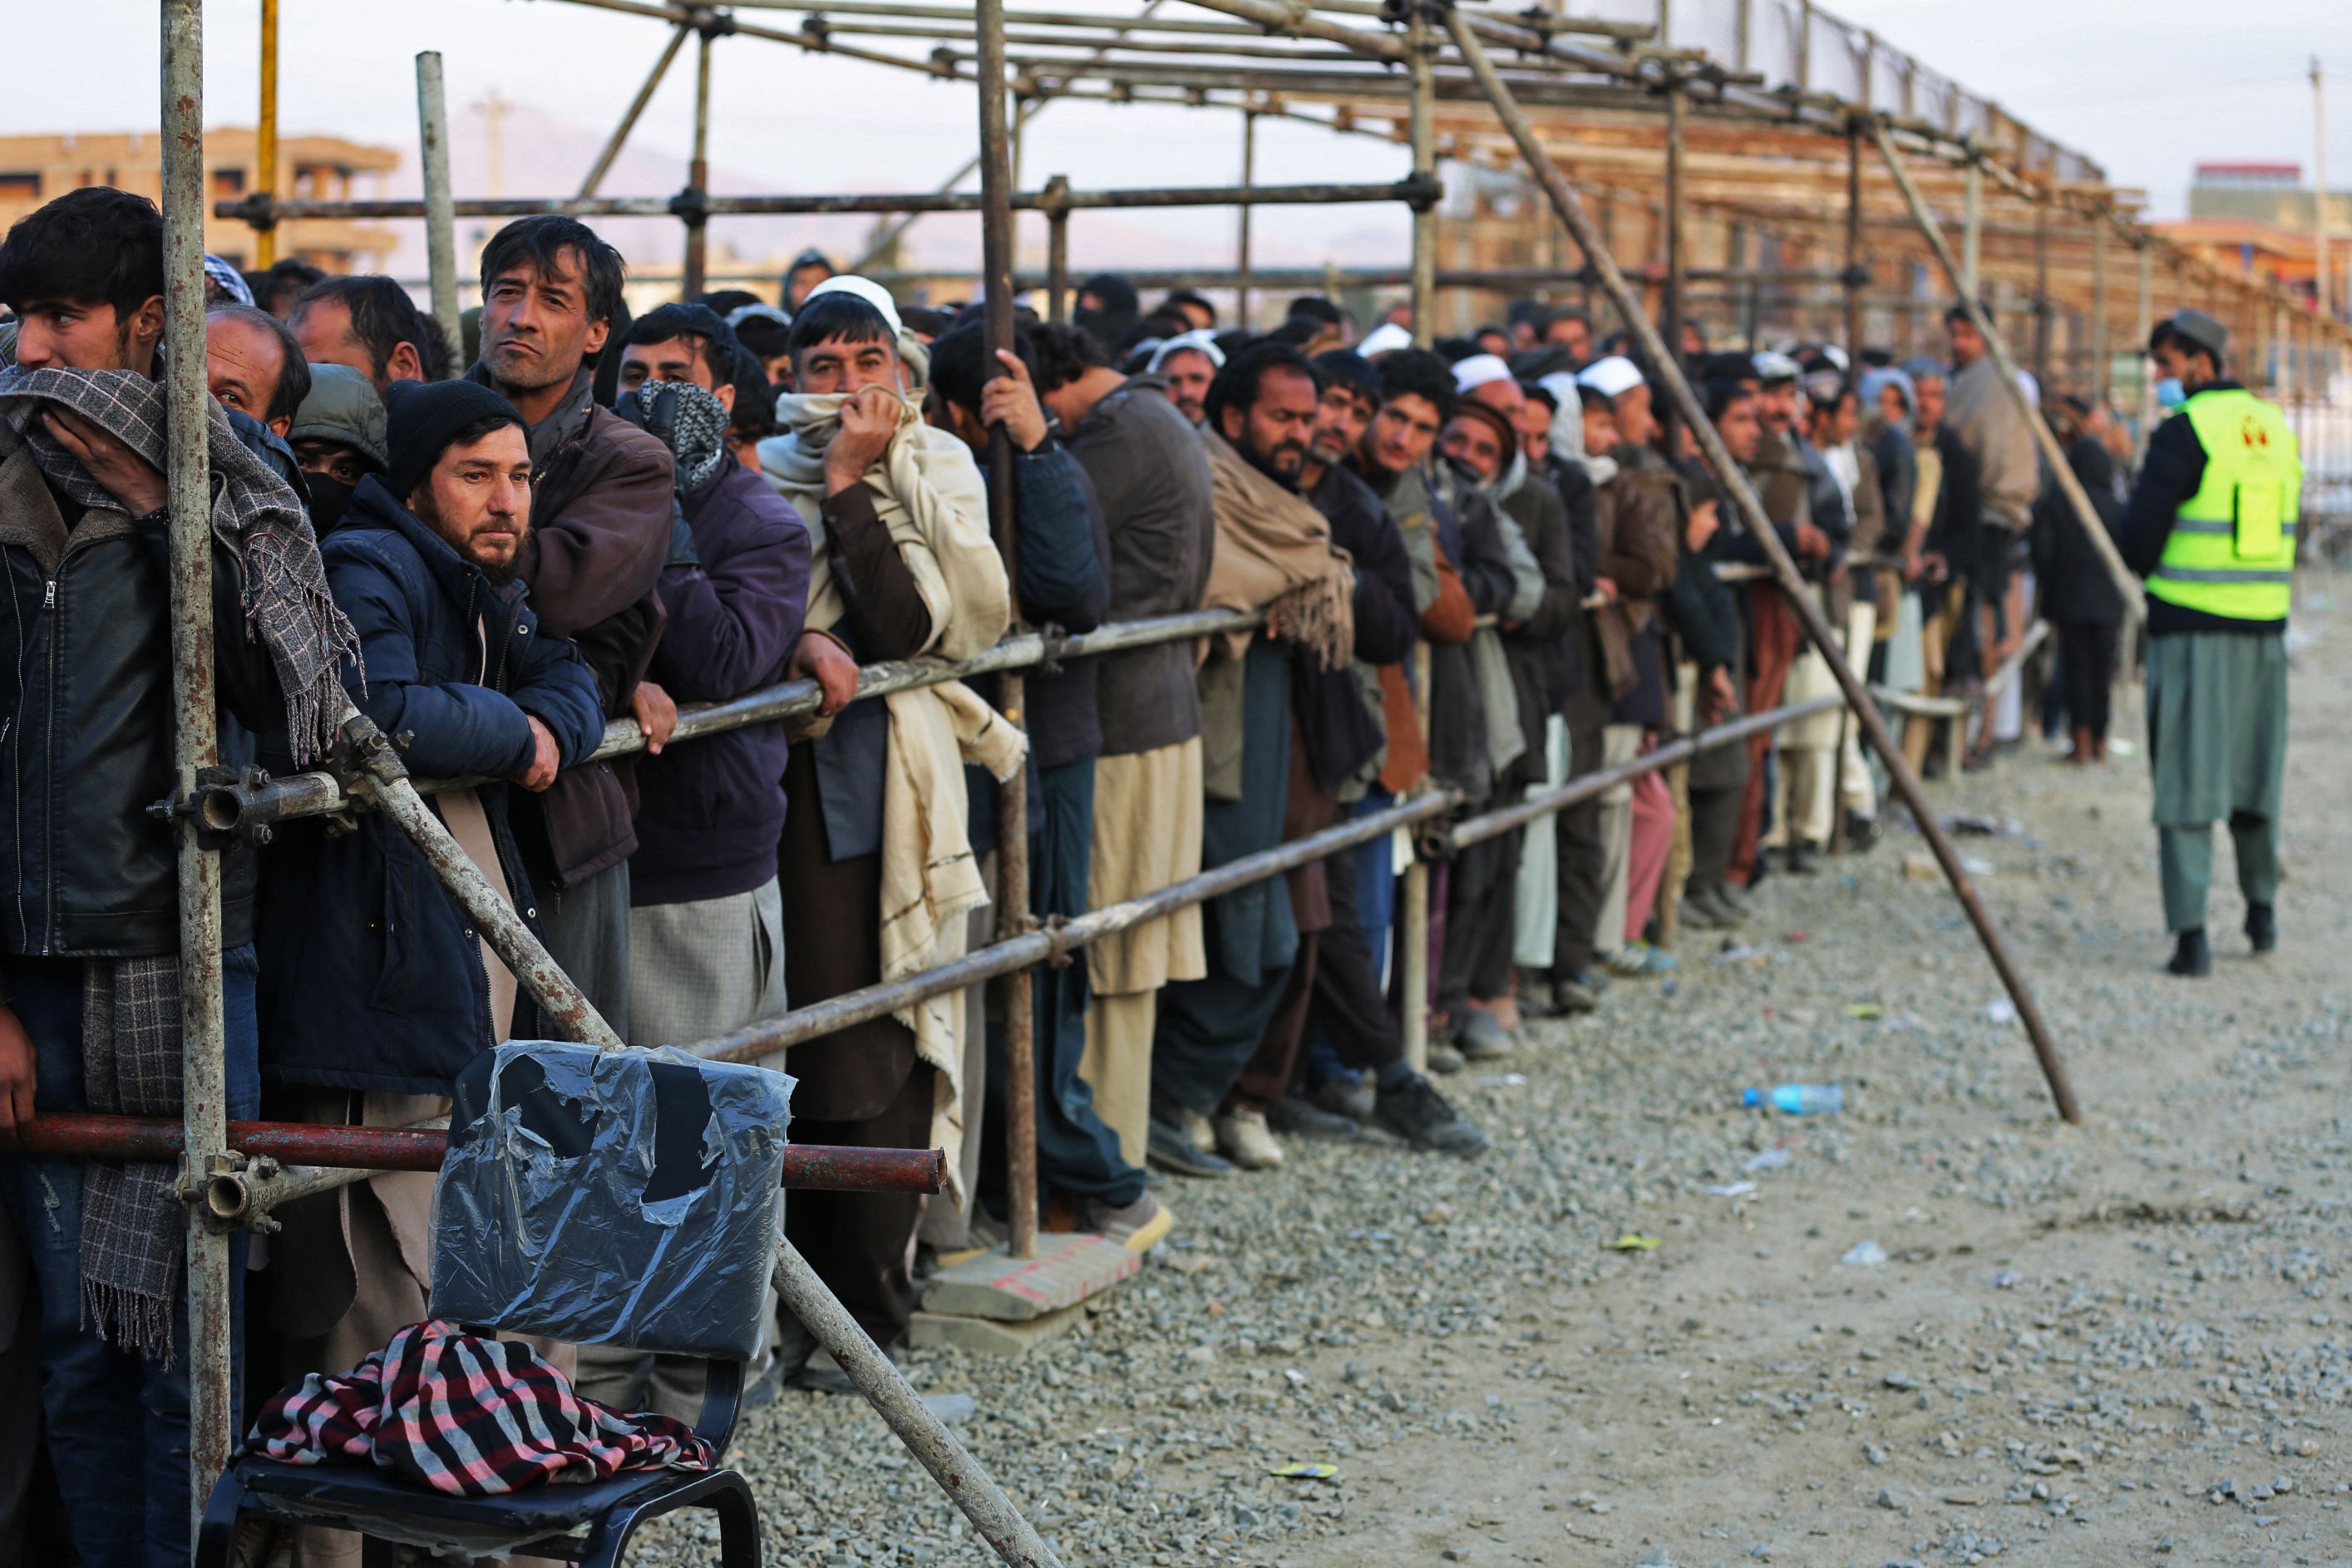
(373, 977)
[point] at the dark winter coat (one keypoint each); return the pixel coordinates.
(711, 811)
(372, 974)
(599, 536)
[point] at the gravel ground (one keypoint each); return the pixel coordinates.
(2086, 1345)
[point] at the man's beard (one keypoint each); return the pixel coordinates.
(1327, 450)
(1263, 462)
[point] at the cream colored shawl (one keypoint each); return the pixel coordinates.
(928, 492)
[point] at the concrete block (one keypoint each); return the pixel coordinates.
(1066, 1270)
(987, 1336)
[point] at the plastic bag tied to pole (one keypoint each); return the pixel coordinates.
(612, 1197)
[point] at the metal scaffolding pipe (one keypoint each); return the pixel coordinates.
(436, 208)
(697, 169)
(996, 180)
(1242, 219)
(256, 209)
(1800, 597)
(808, 1167)
(2055, 454)
(620, 137)
(203, 1040)
(265, 136)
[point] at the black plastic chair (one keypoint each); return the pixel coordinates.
(590, 1524)
(585, 1121)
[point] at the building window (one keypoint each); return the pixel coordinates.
(228, 183)
(20, 184)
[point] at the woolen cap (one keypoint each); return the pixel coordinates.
(425, 417)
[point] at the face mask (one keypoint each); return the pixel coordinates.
(330, 499)
(2170, 392)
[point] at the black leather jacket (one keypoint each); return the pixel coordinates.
(85, 741)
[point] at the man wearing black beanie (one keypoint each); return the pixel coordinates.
(374, 979)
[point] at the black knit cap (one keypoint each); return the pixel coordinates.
(423, 417)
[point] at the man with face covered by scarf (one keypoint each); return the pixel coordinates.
(706, 915)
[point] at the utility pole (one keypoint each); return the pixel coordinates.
(2319, 180)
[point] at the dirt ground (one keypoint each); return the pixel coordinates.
(2086, 1345)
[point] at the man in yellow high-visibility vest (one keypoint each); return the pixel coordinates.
(2211, 526)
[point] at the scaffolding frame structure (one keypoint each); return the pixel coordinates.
(1754, 114)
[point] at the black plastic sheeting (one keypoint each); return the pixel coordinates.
(624, 1197)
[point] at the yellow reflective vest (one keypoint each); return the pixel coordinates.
(2232, 549)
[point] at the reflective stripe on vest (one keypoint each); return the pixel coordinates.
(2232, 549)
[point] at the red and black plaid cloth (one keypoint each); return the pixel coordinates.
(467, 1416)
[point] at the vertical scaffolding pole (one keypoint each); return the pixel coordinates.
(2041, 294)
(1972, 232)
(440, 213)
(629, 116)
(1678, 100)
(1784, 567)
(212, 1413)
(2143, 324)
(1422, 130)
(2100, 370)
(265, 137)
(1414, 926)
(698, 172)
(1241, 234)
(1057, 254)
(1012, 820)
(1856, 272)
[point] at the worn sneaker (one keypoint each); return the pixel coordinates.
(2262, 927)
(1138, 1227)
(1350, 1097)
(1197, 1128)
(1417, 1113)
(1444, 1058)
(1170, 1149)
(1244, 1138)
(1295, 1113)
(1483, 1038)
(1639, 960)
(1576, 993)
(2190, 955)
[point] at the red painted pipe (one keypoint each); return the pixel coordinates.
(808, 1166)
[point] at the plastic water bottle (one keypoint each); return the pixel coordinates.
(1798, 1098)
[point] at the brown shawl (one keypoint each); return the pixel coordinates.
(1275, 552)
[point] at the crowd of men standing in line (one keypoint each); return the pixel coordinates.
(1488, 566)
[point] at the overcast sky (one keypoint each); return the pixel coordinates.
(2147, 90)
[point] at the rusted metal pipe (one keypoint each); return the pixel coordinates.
(2054, 455)
(436, 208)
(211, 1401)
(241, 805)
(629, 116)
(996, 180)
(1793, 586)
(808, 1167)
(965, 1481)
(259, 208)
(698, 170)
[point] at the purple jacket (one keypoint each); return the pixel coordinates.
(711, 812)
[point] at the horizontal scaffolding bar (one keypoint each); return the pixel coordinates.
(808, 1167)
(262, 210)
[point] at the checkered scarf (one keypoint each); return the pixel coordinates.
(132, 1230)
(466, 1418)
(254, 512)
